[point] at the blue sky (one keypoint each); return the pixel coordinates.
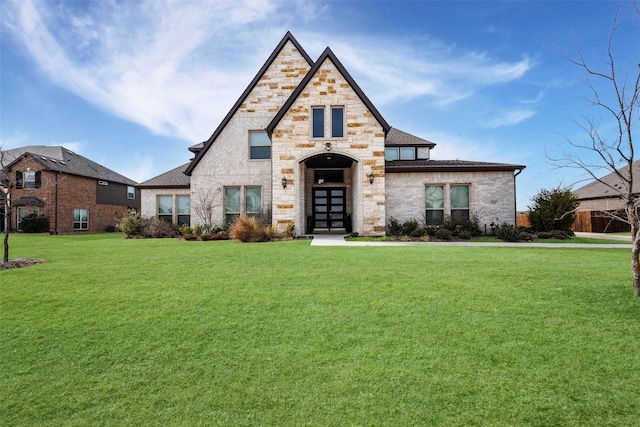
(133, 84)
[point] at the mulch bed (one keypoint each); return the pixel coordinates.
(20, 262)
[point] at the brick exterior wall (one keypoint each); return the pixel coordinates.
(73, 192)
(363, 142)
(227, 162)
(491, 194)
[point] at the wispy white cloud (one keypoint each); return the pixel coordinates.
(176, 67)
(508, 118)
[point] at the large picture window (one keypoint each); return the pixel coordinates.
(242, 201)
(183, 204)
(165, 208)
(459, 204)
(81, 219)
(259, 145)
(434, 204)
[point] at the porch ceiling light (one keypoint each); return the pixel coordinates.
(371, 178)
(284, 182)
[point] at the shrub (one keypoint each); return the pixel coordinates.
(33, 223)
(248, 229)
(553, 210)
(289, 232)
(560, 235)
(524, 235)
(185, 229)
(545, 235)
(157, 228)
(443, 234)
(130, 225)
(410, 227)
(394, 228)
(189, 236)
(507, 232)
(465, 235)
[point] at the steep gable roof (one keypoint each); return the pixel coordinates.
(60, 159)
(327, 55)
(200, 152)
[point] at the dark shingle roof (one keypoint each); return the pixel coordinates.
(60, 159)
(397, 166)
(609, 185)
(398, 137)
(175, 178)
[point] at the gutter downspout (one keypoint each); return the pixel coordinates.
(55, 218)
(515, 204)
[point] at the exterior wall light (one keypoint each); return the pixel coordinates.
(371, 178)
(327, 146)
(284, 182)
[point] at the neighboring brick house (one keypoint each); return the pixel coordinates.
(304, 145)
(73, 192)
(601, 202)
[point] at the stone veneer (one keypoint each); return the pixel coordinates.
(227, 162)
(491, 194)
(363, 141)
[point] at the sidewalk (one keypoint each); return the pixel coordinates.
(338, 240)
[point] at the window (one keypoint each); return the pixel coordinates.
(337, 122)
(131, 192)
(81, 219)
(259, 145)
(22, 212)
(236, 205)
(459, 204)
(317, 122)
(184, 210)
(391, 154)
(407, 153)
(231, 204)
(165, 208)
(434, 204)
(28, 179)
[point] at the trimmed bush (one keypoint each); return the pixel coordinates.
(130, 225)
(506, 232)
(394, 228)
(33, 223)
(157, 228)
(443, 234)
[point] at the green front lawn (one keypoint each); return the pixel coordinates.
(167, 332)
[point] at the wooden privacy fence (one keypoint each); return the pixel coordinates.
(586, 222)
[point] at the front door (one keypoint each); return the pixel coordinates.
(329, 209)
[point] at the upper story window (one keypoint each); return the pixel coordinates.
(317, 122)
(259, 145)
(131, 192)
(28, 179)
(402, 153)
(337, 122)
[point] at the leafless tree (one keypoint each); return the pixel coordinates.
(614, 86)
(6, 185)
(204, 204)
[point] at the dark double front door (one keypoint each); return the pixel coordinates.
(329, 209)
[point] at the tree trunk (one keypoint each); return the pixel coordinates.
(635, 260)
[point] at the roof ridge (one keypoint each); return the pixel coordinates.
(328, 54)
(288, 37)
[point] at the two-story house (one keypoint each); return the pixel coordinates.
(305, 146)
(73, 192)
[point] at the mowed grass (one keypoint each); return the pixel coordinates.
(112, 331)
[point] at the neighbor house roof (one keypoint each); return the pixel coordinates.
(201, 151)
(175, 178)
(398, 137)
(327, 55)
(398, 166)
(609, 186)
(63, 160)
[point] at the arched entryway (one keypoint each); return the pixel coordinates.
(329, 181)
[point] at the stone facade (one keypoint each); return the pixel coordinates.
(491, 194)
(363, 142)
(227, 163)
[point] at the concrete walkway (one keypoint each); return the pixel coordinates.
(338, 240)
